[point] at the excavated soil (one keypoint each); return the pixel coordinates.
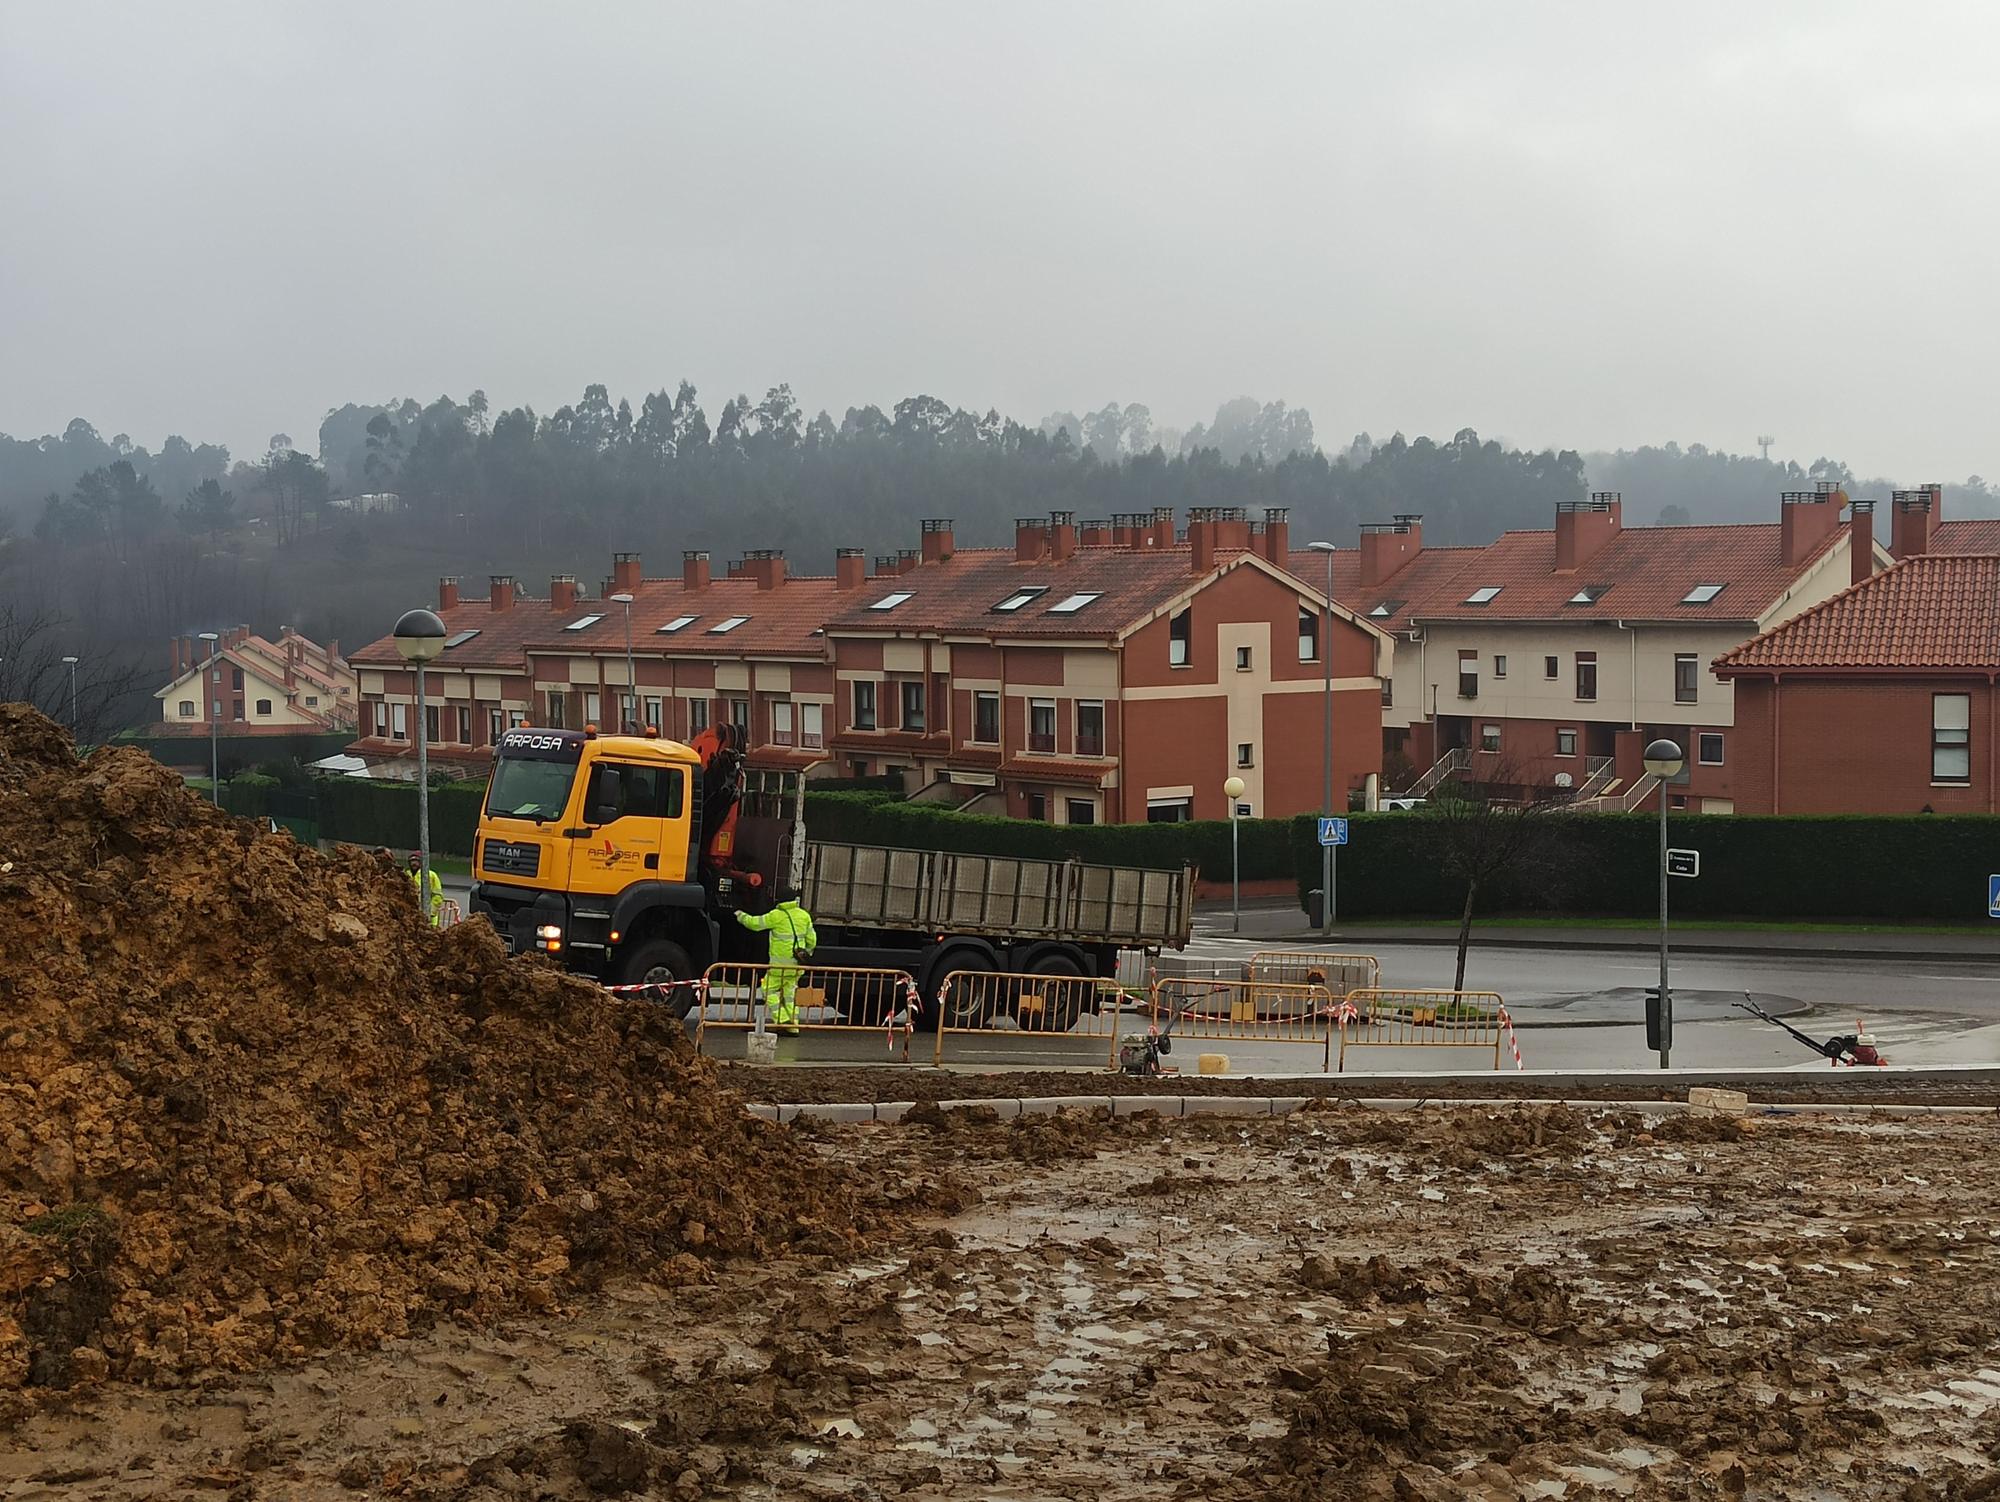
(253, 1108)
(1504, 1305)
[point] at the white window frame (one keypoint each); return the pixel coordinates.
(982, 696)
(1499, 664)
(1951, 740)
(781, 722)
(1701, 740)
(187, 709)
(1489, 738)
(1565, 730)
(1246, 753)
(1037, 709)
(1243, 659)
(399, 722)
(1076, 727)
(812, 725)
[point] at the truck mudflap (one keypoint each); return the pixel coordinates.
(515, 914)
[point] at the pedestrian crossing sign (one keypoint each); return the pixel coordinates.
(1992, 894)
(1333, 831)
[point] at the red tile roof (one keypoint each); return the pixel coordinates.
(1645, 574)
(1055, 769)
(503, 635)
(1934, 612)
(782, 622)
(1968, 535)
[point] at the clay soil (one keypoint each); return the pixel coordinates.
(1456, 1302)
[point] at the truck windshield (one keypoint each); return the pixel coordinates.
(529, 789)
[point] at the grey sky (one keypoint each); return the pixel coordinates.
(1594, 225)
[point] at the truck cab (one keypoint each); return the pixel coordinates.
(617, 855)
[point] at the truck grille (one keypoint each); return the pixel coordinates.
(503, 859)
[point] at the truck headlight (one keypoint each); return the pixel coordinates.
(548, 931)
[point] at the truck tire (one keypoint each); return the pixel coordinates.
(656, 962)
(1068, 1008)
(976, 1014)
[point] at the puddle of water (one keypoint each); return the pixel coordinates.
(837, 1428)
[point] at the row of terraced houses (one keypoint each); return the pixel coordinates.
(1122, 670)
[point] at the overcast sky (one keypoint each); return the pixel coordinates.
(1580, 224)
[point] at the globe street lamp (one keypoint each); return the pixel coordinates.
(72, 696)
(1232, 790)
(631, 678)
(1326, 747)
(419, 638)
(1664, 760)
(213, 699)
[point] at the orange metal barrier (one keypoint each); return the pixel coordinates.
(829, 998)
(1247, 1011)
(1424, 1019)
(1002, 1004)
(1338, 973)
(450, 913)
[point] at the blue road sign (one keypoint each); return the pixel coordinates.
(1334, 832)
(1992, 885)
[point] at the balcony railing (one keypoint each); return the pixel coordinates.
(1089, 745)
(1041, 742)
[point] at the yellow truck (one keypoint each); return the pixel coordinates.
(625, 858)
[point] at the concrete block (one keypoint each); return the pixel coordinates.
(1142, 1105)
(840, 1111)
(1284, 1105)
(1718, 1102)
(1005, 1109)
(760, 1048)
(892, 1110)
(1214, 1063)
(763, 1113)
(1048, 1105)
(787, 1113)
(1224, 1105)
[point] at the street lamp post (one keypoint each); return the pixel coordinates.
(419, 638)
(1326, 869)
(212, 670)
(72, 696)
(631, 676)
(1232, 790)
(1664, 760)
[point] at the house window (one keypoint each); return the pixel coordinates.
(1180, 632)
(1551, 667)
(1709, 748)
(739, 716)
(399, 724)
(986, 718)
(558, 705)
(913, 704)
(864, 704)
(1565, 743)
(236, 679)
(187, 709)
(697, 716)
(1089, 727)
(628, 711)
(1169, 810)
(1246, 754)
(654, 709)
(1684, 678)
(1388, 692)
(812, 726)
(1038, 806)
(1242, 659)
(1308, 636)
(516, 718)
(1468, 675)
(496, 726)
(1499, 664)
(1951, 737)
(1489, 737)
(1081, 811)
(433, 723)
(593, 706)
(1586, 675)
(1041, 724)
(781, 722)
(263, 706)
(312, 701)
(235, 709)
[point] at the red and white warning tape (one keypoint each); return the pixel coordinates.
(1513, 1042)
(699, 986)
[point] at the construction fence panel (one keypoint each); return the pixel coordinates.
(1201, 1009)
(829, 998)
(1003, 1006)
(1377, 1018)
(1338, 973)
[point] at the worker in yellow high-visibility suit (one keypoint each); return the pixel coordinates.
(791, 938)
(434, 908)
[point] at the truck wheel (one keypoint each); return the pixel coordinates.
(659, 962)
(1066, 1007)
(970, 1005)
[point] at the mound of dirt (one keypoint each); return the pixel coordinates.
(252, 1106)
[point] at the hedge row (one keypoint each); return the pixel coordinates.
(1869, 867)
(359, 811)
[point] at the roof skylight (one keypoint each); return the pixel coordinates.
(1590, 594)
(1701, 594)
(1486, 594)
(1387, 608)
(678, 623)
(890, 602)
(581, 621)
(1074, 603)
(728, 623)
(1020, 597)
(459, 638)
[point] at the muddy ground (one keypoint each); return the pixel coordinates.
(792, 1085)
(1461, 1303)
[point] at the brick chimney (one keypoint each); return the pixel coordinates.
(1128, 529)
(766, 566)
(850, 568)
(694, 569)
(1231, 527)
(1094, 533)
(447, 594)
(500, 592)
(1584, 527)
(1915, 520)
(1163, 528)
(937, 539)
(1806, 519)
(562, 593)
(1062, 535)
(1278, 534)
(885, 566)
(1201, 538)
(291, 665)
(1030, 534)
(178, 646)
(625, 573)
(1861, 540)
(907, 559)
(332, 650)
(1387, 546)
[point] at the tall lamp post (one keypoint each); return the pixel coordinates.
(1664, 760)
(212, 697)
(71, 661)
(1232, 790)
(419, 638)
(1326, 747)
(631, 677)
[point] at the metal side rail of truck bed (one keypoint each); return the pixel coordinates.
(934, 891)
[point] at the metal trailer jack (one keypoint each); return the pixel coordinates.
(1857, 1047)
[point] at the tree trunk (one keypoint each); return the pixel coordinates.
(1465, 933)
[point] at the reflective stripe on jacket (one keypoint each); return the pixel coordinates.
(790, 927)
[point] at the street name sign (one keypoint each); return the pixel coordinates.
(1683, 863)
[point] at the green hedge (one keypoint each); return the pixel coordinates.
(359, 811)
(1918, 867)
(236, 752)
